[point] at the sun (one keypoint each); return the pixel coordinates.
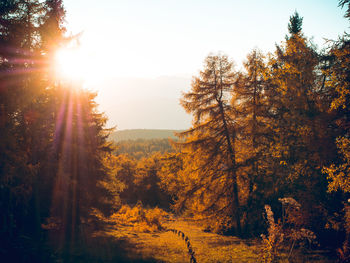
(71, 64)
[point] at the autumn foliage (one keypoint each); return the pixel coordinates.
(267, 152)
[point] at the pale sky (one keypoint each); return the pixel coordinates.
(144, 52)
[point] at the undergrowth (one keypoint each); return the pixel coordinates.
(141, 219)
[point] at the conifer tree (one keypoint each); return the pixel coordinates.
(338, 81)
(300, 121)
(295, 24)
(53, 145)
(293, 73)
(211, 142)
(250, 102)
(82, 179)
(19, 82)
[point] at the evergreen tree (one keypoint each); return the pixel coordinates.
(342, 3)
(295, 24)
(19, 87)
(81, 175)
(53, 145)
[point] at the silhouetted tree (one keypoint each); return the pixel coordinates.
(53, 144)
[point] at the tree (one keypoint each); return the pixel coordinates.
(82, 179)
(53, 145)
(211, 142)
(342, 3)
(338, 81)
(302, 137)
(295, 24)
(252, 113)
(293, 75)
(19, 87)
(147, 182)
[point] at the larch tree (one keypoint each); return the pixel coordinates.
(338, 81)
(293, 75)
(302, 137)
(250, 101)
(210, 143)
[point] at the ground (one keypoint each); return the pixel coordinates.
(142, 245)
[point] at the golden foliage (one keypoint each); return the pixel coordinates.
(141, 219)
(339, 175)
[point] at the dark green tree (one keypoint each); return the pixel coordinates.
(343, 3)
(81, 175)
(53, 145)
(295, 24)
(19, 86)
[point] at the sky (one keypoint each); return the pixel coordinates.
(143, 53)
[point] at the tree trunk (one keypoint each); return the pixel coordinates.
(232, 170)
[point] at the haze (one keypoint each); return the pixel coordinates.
(147, 51)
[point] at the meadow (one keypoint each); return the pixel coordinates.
(145, 238)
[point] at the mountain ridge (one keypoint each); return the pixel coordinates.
(146, 134)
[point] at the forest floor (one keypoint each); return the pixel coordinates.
(164, 246)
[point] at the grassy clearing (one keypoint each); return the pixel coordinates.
(145, 243)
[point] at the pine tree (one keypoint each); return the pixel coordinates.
(53, 146)
(342, 3)
(82, 176)
(19, 87)
(295, 24)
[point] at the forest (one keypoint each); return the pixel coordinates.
(262, 175)
(143, 134)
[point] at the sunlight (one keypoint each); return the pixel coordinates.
(71, 64)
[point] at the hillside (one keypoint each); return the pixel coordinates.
(146, 134)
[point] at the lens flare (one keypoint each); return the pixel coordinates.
(71, 64)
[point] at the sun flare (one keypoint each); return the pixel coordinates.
(71, 64)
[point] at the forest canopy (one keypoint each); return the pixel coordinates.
(270, 138)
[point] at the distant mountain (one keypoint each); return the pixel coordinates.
(130, 103)
(146, 134)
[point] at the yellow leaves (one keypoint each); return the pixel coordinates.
(304, 130)
(284, 163)
(339, 75)
(278, 150)
(339, 180)
(143, 220)
(339, 176)
(341, 100)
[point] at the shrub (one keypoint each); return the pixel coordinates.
(288, 233)
(142, 219)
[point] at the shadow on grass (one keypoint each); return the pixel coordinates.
(93, 249)
(103, 249)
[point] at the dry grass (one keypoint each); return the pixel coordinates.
(150, 242)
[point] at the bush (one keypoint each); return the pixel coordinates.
(142, 219)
